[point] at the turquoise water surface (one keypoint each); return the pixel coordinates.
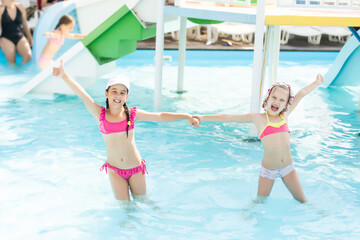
(201, 182)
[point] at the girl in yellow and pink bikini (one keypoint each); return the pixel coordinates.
(56, 40)
(274, 134)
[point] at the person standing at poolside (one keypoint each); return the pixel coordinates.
(274, 134)
(13, 25)
(117, 122)
(56, 40)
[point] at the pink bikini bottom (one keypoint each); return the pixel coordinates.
(126, 173)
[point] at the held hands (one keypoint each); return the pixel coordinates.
(59, 71)
(194, 122)
(199, 118)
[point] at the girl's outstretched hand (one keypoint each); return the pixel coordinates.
(59, 71)
(319, 79)
(194, 122)
(199, 118)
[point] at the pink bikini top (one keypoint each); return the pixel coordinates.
(107, 127)
(57, 41)
(271, 128)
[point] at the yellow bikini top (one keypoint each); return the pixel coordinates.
(271, 127)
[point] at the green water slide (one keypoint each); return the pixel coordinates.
(117, 36)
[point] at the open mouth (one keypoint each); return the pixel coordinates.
(117, 101)
(274, 109)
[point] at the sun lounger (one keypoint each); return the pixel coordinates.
(336, 34)
(238, 31)
(313, 35)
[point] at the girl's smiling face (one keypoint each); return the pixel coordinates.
(277, 100)
(117, 95)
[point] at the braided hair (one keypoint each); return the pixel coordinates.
(65, 19)
(127, 119)
(127, 111)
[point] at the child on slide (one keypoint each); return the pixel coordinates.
(56, 40)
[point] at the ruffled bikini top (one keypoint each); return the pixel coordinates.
(107, 127)
(271, 127)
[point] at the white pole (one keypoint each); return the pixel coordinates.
(267, 45)
(159, 53)
(257, 66)
(258, 52)
(182, 51)
(274, 45)
(209, 40)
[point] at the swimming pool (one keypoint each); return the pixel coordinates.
(201, 182)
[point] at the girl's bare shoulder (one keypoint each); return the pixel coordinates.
(56, 33)
(260, 117)
(20, 6)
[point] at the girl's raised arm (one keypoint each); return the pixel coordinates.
(48, 34)
(75, 35)
(165, 117)
(305, 91)
(91, 106)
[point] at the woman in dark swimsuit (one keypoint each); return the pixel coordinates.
(13, 25)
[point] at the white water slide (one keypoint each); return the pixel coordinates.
(78, 61)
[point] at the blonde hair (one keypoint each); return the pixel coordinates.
(284, 86)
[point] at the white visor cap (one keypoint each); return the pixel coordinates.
(119, 80)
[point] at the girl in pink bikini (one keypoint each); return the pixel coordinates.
(274, 134)
(56, 40)
(124, 165)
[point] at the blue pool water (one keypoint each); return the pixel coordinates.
(201, 182)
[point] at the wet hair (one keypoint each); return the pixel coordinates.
(65, 19)
(127, 111)
(281, 85)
